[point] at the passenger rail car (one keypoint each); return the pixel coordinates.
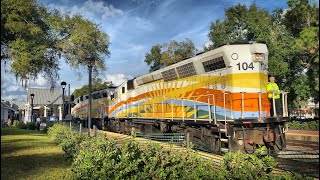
(219, 97)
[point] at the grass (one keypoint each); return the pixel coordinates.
(30, 154)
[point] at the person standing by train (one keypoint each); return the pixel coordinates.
(273, 92)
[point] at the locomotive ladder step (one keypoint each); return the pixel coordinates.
(223, 120)
(224, 149)
(223, 130)
(223, 140)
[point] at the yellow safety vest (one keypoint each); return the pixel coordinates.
(271, 87)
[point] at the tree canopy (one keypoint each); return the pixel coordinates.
(169, 53)
(33, 39)
(292, 37)
(97, 84)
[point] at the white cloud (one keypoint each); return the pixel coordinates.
(118, 79)
(91, 9)
(39, 82)
(208, 44)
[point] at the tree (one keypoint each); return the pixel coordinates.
(169, 53)
(97, 85)
(34, 38)
(26, 40)
(240, 25)
(153, 59)
(288, 41)
(302, 20)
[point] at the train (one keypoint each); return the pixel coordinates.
(217, 97)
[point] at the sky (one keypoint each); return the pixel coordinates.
(134, 26)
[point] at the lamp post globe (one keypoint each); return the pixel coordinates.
(32, 97)
(63, 85)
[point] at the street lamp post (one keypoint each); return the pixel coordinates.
(63, 85)
(32, 97)
(90, 58)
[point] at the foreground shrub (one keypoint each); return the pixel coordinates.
(67, 139)
(15, 123)
(71, 144)
(31, 126)
(311, 125)
(100, 158)
(96, 159)
(238, 165)
(48, 125)
(21, 125)
(163, 163)
(58, 133)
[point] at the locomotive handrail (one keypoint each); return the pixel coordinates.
(209, 110)
(242, 105)
(182, 109)
(284, 103)
(211, 113)
(260, 106)
(274, 105)
(194, 109)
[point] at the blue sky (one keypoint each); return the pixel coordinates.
(134, 26)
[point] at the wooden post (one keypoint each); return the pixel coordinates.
(188, 140)
(94, 130)
(80, 128)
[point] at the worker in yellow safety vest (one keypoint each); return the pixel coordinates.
(273, 92)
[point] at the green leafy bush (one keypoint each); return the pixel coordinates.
(49, 124)
(163, 163)
(70, 145)
(67, 139)
(311, 125)
(96, 159)
(15, 123)
(58, 133)
(238, 165)
(31, 126)
(100, 158)
(21, 125)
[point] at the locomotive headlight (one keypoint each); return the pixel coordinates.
(258, 57)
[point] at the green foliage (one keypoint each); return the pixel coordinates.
(163, 163)
(100, 158)
(80, 38)
(169, 53)
(67, 139)
(31, 126)
(15, 123)
(240, 25)
(96, 159)
(97, 84)
(34, 38)
(49, 124)
(57, 133)
(292, 39)
(238, 165)
(310, 126)
(21, 125)
(27, 39)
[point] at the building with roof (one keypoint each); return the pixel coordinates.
(46, 103)
(6, 111)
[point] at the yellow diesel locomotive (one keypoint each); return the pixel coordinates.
(218, 97)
